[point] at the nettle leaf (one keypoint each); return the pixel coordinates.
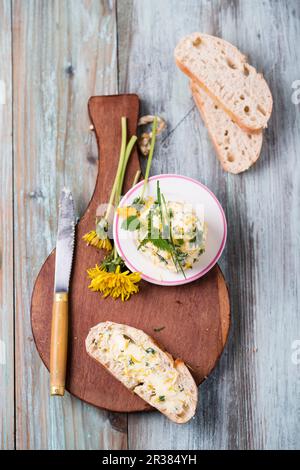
(131, 223)
(162, 244)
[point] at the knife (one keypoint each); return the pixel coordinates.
(63, 265)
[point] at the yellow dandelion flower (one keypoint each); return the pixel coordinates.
(91, 238)
(93, 272)
(126, 211)
(114, 284)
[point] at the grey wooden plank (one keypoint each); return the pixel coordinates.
(252, 398)
(6, 240)
(63, 53)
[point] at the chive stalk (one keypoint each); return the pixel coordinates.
(149, 161)
(122, 174)
(120, 166)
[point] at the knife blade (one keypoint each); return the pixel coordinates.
(65, 242)
(63, 266)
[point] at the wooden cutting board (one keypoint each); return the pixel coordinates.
(195, 317)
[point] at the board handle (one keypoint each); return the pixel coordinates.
(105, 114)
(59, 344)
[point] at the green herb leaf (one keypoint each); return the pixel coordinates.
(157, 330)
(150, 351)
(158, 193)
(111, 262)
(131, 223)
(162, 398)
(162, 259)
(149, 219)
(165, 219)
(128, 338)
(138, 203)
(143, 242)
(162, 244)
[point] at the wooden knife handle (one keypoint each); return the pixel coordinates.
(59, 344)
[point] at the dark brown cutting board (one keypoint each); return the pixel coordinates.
(195, 316)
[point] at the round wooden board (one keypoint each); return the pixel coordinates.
(194, 318)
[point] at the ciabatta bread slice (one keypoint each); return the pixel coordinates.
(236, 148)
(223, 72)
(134, 358)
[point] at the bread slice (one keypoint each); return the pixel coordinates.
(134, 358)
(236, 148)
(223, 72)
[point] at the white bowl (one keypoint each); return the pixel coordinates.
(181, 189)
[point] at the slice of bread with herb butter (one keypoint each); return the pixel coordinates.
(135, 359)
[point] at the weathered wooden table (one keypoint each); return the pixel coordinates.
(53, 56)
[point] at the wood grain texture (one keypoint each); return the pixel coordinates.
(6, 239)
(63, 52)
(193, 331)
(253, 398)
